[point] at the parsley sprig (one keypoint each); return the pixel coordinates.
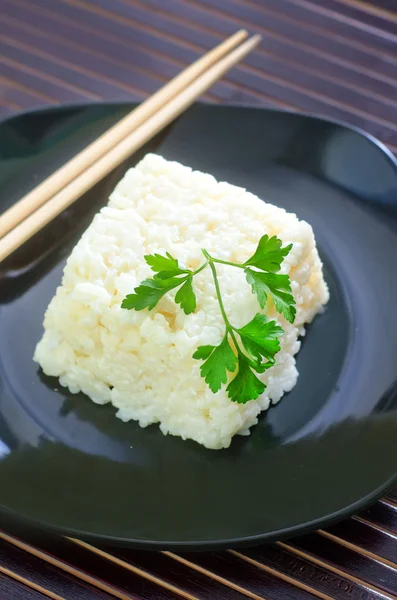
(242, 351)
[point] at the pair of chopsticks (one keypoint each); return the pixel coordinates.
(35, 210)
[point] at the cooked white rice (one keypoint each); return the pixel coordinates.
(142, 362)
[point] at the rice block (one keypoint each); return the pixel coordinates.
(141, 362)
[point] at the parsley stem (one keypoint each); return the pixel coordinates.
(200, 268)
(231, 332)
(229, 326)
(226, 262)
(217, 288)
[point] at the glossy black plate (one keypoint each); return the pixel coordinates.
(325, 451)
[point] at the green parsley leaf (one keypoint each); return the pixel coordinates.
(203, 352)
(260, 338)
(278, 287)
(149, 292)
(259, 287)
(269, 254)
(164, 266)
(245, 386)
(185, 296)
(219, 360)
(256, 344)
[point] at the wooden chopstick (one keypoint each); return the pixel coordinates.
(84, 159)
(116, 155)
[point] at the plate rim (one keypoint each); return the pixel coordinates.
(206, 545)
(252, 540)
(245, 105)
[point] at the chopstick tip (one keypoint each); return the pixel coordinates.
(240, 35)
(256, 39)
(250, 44)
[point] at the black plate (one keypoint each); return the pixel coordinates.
(326, 450)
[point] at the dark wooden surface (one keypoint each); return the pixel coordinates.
(332, 57)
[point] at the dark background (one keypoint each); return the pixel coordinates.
(332, 57)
